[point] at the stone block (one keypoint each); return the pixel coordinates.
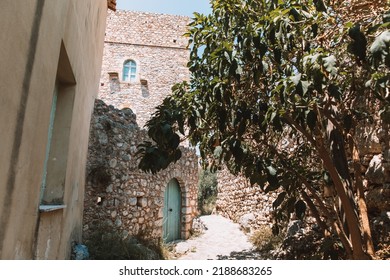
(142, 202)
(376, 172)
(160, 213)
(144, 183)
(378, 199)
(113, 163)
(109, 189)
(118, 222)
(132, 201)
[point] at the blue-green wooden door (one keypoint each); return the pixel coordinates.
(172, 205)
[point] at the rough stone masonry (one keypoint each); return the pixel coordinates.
(145, 54)
(119, 196)
(155, 45)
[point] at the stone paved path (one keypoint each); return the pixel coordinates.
(222, 239)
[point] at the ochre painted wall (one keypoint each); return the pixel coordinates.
(33, 33)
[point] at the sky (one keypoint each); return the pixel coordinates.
(172, 7)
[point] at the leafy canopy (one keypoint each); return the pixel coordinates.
(277, 89)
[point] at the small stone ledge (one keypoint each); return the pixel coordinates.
(50, 208)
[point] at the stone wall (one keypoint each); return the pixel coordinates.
(148, 29)
(118, 194)
(375, 143)
(156, 44)
(242, 202)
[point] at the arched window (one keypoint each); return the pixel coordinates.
(129, 71)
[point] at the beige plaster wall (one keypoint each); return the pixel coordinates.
(31, 36)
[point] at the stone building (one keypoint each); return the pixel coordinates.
(120, 198)
(50, 65)
(144, 56)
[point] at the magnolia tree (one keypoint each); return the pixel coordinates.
(277, 91)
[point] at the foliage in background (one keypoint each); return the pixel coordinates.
(207, 191)
(277, 92)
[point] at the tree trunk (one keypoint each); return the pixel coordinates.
(361, 198)
(330, 163)
(337, 167)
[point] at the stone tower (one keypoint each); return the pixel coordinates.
(145, 54)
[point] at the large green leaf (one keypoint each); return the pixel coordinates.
(334, 91)
(300, 209)
(348, 122)
(241, 128)
(330, 64)
(302, 88)
(291, 204)
(380, 48)
(279, 200)
(320, 5)
(296, 79)
(358, 46)
(271, 170)
(273, 184)
(311, 119)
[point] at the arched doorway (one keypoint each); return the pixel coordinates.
(172, 205)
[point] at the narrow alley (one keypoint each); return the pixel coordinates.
(221, 239)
